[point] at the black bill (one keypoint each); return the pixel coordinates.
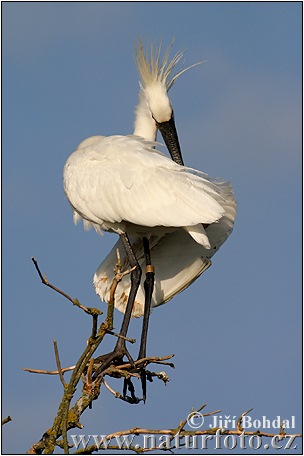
(169, 133)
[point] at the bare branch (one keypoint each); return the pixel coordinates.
(131, 341)
(115, 393)
(239, 422)
(6, 420)
(145, 361)
(67, 419)
(47, 372)
(58, 364)
(184, 422)
(282, 431)
(88, 310)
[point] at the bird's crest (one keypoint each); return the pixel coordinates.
(151, 67)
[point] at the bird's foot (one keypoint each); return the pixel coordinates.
(115, 357)
(143, 379)
(144, 376)
(128, 385)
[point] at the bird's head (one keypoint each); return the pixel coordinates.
(155, 108)
(158, 101)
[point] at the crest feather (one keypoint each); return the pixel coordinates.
(152, 68)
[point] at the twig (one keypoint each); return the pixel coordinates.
(116, 372)
(146, 361)
(211, 413)
(117, 278)
(47, 372)
(115, 393)
(59, 365)
(183, 423)
(282, 431)
(6, 420)
(88, 310)
(131, 341)
(239, 422)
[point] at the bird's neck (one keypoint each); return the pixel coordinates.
(144, 124)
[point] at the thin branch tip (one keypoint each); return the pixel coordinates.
(6, 420)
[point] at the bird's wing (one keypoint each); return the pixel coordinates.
(177, 261)
(218, 232)
(124, 179)
(177, 258)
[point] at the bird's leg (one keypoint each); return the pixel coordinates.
(135, 281)
(120, 348)
(148, 286)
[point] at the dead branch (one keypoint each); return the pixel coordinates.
(179, 432)
(88, 310)
(47, 372)
(62, 421)
(68, 418)
(6, 420)
(59, 364)
(239, 422)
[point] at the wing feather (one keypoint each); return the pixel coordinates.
(177, 258)
(123, 179)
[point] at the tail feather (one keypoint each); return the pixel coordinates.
(198, 233)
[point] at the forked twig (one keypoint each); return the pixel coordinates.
(239, 421)
(88, 310)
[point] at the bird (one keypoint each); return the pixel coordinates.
(125, 185)
(178, 259)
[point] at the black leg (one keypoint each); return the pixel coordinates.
(148, 285)
(120, 347)
(135, 281)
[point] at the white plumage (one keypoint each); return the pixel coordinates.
(123, 184)
(177, 258)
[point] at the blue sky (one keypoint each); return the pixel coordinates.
(69, 73)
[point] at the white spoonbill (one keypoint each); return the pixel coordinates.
(124, 185)
(177, 257)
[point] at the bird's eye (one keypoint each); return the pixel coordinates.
(157, 123)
